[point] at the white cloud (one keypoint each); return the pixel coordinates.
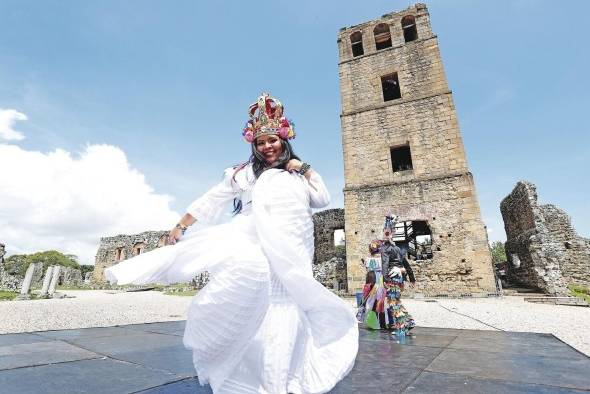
(7, 119)
(64, 201)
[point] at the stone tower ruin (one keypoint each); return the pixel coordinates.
(403, 155)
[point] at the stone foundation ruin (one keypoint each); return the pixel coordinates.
(543, 249)
(120, 247)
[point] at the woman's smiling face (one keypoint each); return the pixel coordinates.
(270, 147)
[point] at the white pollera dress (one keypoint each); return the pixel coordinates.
(262, 324)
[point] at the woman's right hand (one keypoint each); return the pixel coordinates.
(174, 235)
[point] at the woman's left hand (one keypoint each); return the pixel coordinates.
(294, 165)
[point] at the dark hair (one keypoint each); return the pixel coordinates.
(259, 165)
(371, 278)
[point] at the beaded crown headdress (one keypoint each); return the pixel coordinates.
(266, 117)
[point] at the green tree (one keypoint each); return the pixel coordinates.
(86, 268)
(17, 264)
(498, 252)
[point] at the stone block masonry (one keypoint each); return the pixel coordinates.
(118, 248)
(404, 155)
(543, 248)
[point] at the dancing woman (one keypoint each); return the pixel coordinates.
(262, 324)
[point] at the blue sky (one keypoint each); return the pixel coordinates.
(169, 82)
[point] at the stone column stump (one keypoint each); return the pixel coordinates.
(46, 282)
(26, 286)
(54, 280)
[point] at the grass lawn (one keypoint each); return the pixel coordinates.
(7, 295)
(187, 293)
(581, 292)
(73, 288)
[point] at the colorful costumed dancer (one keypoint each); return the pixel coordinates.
(371, 311)
(396, 271)
(262, 324)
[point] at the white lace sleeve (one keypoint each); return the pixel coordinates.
(208, 207)
(319, 196)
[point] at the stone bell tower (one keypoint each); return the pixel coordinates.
(403, 155)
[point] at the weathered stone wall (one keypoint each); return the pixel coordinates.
(461, 257)
(545, 251)
(324, 224)
(118, 248)
(439, 188)
(331, 273)
(329, 261)
(7, 282)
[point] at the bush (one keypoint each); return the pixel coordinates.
(85, 269)
(7, 295)
(17, 264)
(580, 291)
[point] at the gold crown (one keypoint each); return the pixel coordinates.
(266, 117)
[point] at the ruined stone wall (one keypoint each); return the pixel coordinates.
(461, 257)
(329, 261)
(439, 188)
(329, 264)
(324, 224)
(7, 282)
(543, 248)
(118, 248)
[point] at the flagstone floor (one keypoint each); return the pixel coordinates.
(150, 358)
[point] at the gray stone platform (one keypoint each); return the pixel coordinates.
(150, 358)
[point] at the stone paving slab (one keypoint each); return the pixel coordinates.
(561, 372)
(97, 332)
(120, 344)
(104, 376)
(186, 386)
(39, 353)
(437, 383)
(17, 339)
(150, 358)
(171, 327)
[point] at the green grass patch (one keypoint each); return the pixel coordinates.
(7, 295)
(73, 288)
(186, 293)
(581, 292)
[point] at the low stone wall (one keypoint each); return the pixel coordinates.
(331, 273)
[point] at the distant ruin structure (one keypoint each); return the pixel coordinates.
(543, 249)
(329, 260)
(403, 155)
(329, 263)
(113, 250)
(7, 282)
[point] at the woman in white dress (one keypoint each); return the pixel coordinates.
(262, 324)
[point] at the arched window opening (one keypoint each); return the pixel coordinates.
(409, 28)
(382, 36)
(356, 41)
(415, 238)
(120, 254)
(163, 241)
(138, 248)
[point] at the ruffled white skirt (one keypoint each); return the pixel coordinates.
(262, 324)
